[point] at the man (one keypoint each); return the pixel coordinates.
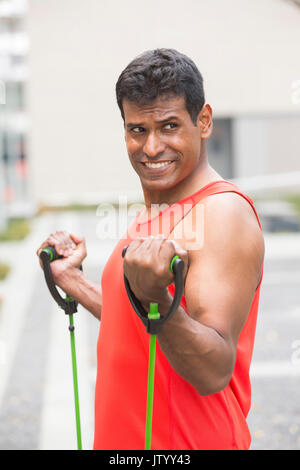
(202, 387)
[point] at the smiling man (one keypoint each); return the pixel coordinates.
(202, 388)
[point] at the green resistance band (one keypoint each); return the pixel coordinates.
(152, 315)
(69, 305)
(75, 379)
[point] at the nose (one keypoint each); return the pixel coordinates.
(153, 145)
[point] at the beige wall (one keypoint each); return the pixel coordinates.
(266, 144)
(247, 51)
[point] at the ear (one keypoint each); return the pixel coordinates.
(204, 121)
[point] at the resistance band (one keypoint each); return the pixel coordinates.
(69, 305)
(153, 323)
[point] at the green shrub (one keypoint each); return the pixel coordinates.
(17, 229)
(295, 201)
(4, 270)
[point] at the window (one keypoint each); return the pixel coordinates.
(219, 147)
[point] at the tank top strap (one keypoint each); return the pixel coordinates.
(225, 187)
(215, 187)
(168, 218)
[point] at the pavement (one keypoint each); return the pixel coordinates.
(36, 392)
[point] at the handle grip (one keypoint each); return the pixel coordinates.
(174, 265)
(51, 253)
(47, 255)
(153, 326)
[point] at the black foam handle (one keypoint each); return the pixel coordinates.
(154, 326)
(48, 255)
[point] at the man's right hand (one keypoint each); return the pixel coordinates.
(68, 245)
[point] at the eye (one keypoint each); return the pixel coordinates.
(171, 125)
(137, 130)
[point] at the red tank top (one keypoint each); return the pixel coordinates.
(182, 419)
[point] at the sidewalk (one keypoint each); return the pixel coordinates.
(36, 391)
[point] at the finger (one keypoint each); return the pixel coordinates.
(78, 244)
(76, 239)
(178, 248)
(43, 245)
(147, 245)
(134, 245)
(69, 241)
(64, 239)
(157, 245)
(51, 241)
(172, 248)
(57, 241)
(65, 244)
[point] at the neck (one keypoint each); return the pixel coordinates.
(200, 177)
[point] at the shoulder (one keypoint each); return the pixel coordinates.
(230, 204)
(229, 216)
(223, 227)
(221, 214)
(231, 229)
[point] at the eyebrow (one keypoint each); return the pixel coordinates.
(162, 121)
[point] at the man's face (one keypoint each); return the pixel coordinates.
(163, 143)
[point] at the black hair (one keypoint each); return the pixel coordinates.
(161, 73)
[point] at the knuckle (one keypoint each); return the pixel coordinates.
(147, 262)
(159, 271)
(169, 246)
(128, 259)
(170, 242)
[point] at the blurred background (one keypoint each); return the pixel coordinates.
(62, 153)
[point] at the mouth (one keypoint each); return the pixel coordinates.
(156, 165)
(156, 168)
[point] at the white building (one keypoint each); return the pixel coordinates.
(247, 51)
(13, 119)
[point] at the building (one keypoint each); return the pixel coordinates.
(13, 118)
(247, 51)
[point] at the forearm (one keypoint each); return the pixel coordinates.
(86, 292)
(198, 353)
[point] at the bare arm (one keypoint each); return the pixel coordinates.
(86, 292)
(219, 288)
(198, 353)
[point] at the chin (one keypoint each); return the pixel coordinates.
(157, 185)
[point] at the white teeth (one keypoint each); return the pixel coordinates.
(157, 165)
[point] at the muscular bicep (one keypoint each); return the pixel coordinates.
(223, 275)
